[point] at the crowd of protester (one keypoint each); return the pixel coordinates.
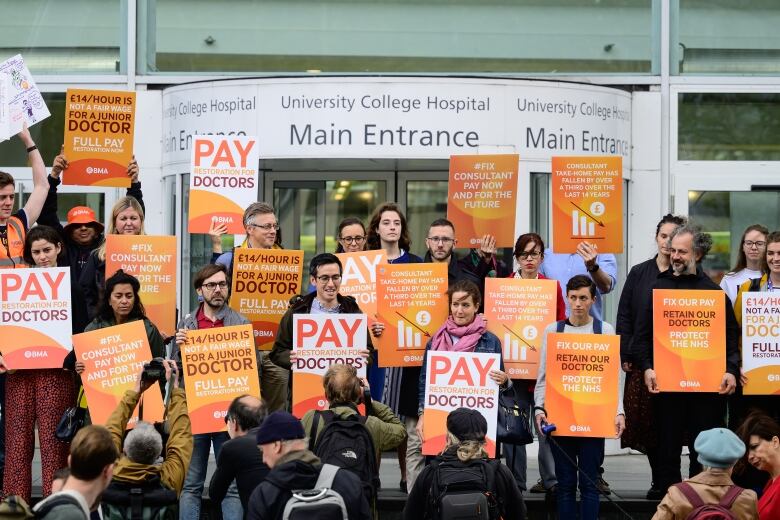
(267, 456)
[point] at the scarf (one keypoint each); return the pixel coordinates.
(469, 335)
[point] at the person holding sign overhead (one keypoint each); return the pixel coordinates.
(127, 218)
(576, 454)
(212, 284)
(39, 396)
(83, 233)
(677, 412)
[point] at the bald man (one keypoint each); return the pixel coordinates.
(239, 458)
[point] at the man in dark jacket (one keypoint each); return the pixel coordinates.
(325, 271)
(281, 440)
(678, 412)
(240, 460)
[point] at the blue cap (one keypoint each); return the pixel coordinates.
(279, 426)
(719, 448)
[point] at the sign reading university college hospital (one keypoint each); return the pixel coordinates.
(399, 117)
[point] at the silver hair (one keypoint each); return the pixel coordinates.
(143, 444)
(254, 209)
(702, 242)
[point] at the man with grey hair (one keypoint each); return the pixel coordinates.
(138, 465)
(676, 413)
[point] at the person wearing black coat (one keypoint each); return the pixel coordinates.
(675, 413)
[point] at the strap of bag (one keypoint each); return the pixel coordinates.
(559, 326)
(315, 422)
(327, 474)
(80, 396)
(755, 285)
(136, 504)
(731, 495)
(690, 494)
(597, 326)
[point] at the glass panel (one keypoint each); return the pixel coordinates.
(47, 135)
(56, 36)
(726, 37)
(426, 201)
(728, 127)
(310, 212)
(66, 201)
(540, 204)
(435, 36)
(195, 252)
(725, 215)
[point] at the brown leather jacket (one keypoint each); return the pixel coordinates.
(711, 484)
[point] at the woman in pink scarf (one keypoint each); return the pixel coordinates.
(464, 331)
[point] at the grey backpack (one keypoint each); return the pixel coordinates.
(319, 503)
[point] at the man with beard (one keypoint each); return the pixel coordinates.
(213, 286)
(677, 413)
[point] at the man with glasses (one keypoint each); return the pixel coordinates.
(325, 275)
(213, 287)
(262, 232)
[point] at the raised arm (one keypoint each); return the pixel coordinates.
(32, 208)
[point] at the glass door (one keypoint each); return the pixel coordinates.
(310, 206)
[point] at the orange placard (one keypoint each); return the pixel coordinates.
(219, 365)
(223, 181)
(151, 259)
(583, 371)
(98, 137)
(587, 194)
(358, 279)
(761, 343)
(458, 380)
(412, 304)
(113, 359)
(319, 341)
(482, 198)
(264, 280)
(517, 311)
(689, 339)
(35, 317)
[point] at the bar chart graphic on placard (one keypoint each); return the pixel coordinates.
(580, 227)
(408, 337)
(513, 351)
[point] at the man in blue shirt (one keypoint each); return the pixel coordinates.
(602, 269)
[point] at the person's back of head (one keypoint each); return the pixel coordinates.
(92, 454)
(143, 444)
(245, 413)
(342, 385)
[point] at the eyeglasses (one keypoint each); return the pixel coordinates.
(533, 255)
(442, 240)
(325, 279)
(213, 285)
(759, 244)
(266, 227)
(352, 240)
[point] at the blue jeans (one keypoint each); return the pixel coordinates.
(587, 453)
(189, 502)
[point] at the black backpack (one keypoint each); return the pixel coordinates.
(464, 491)
(148, 500)
(346, 442)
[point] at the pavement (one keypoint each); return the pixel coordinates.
(627, 473)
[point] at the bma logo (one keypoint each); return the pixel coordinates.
(264, 334)
(91, 170)
(690, 384)
(579, 428)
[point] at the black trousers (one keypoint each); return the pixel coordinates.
(680, 418)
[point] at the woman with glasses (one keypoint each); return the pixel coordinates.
(749, 260)
(351, 236)
(529, 254)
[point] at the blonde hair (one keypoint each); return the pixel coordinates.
(466, 450)
(120, 206)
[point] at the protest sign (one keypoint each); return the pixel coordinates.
(517, 311)
(219, 364)
(151, 259)
(587, 194)
(223, 181)
(98, 137)
(689, 339)
(35, 317)
(264, 280)
(5, 107)
(761, 343)
(459, 380)
(21, 98)
(113, 359)
(412, 305)
(319, 341)
(358, 279)
(482, 198)
(583, 371)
